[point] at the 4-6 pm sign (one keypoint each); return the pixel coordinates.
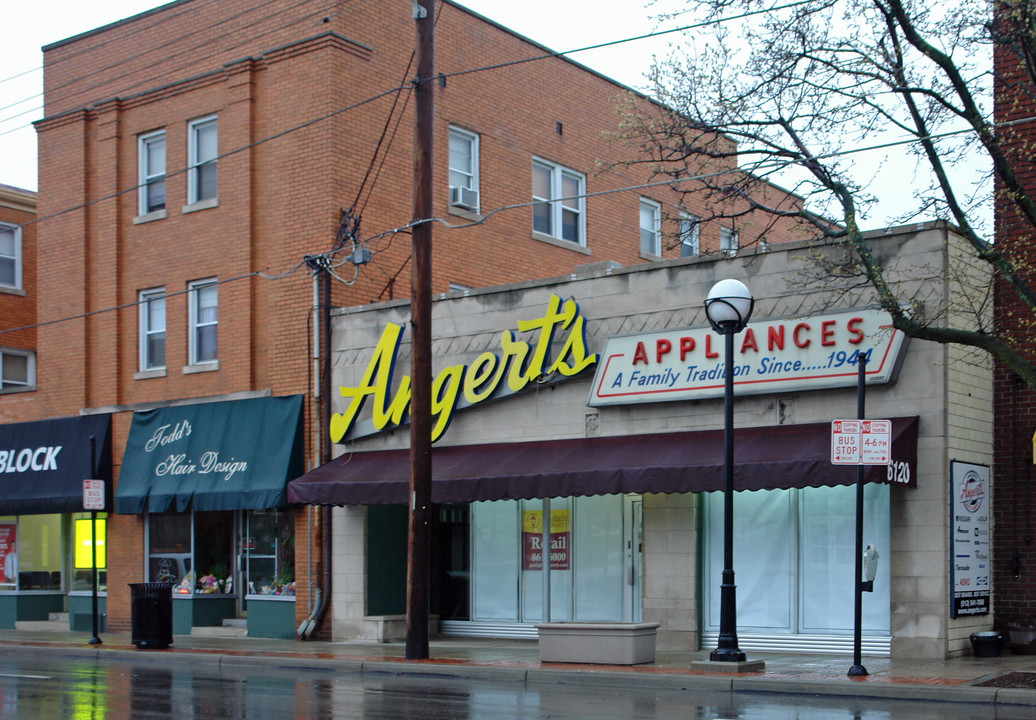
(770, 356)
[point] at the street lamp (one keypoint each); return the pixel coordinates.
(728, 307)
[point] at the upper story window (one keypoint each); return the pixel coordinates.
(650, 228)
(464, 170)
(689, 242)
(559, 209)
(17, 369)
(203, 296)
(202, 151)
(728, 241)
(151, 181)
(10, 256)
(152, 329)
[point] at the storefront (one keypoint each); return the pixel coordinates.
(210, 481)
(601, 391)
(46, 559)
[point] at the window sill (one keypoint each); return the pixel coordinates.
(150, 217)
(201, 205)
(201, 368)
(17, 389)
(557, 242)
(471, 215)
(11, 290)
(649, 257)
(148, 374)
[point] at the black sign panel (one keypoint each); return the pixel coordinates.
(43, 464)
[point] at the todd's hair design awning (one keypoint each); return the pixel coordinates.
(43, 464)
(219, 456)
(785, 456)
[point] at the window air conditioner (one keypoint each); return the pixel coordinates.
(464, 197)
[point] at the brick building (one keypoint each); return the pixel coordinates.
(1014, 564)
(17, 291)
(193, 156)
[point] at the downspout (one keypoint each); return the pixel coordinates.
(311, 624)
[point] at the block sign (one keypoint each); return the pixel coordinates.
(861, 442)
(93, 494)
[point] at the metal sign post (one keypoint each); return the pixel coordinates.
(93, 500)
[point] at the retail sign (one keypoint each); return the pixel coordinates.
(489, 375)
(770, 356)
(861, 442)
(8, 553)
(93, 494)
(969, 541)
(532, 540)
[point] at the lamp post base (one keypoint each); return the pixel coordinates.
(741, 666)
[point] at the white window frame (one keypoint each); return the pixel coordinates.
(461, 177)
(147, 175)
(194, 163)
(16, 258)
(146, 331)
(650, 227)
(690, 236)
(195, 325)
(8, 386)
(728, 241)
(559, 204)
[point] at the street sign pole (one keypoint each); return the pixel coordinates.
(858, 670)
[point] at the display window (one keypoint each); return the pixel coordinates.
(268, 551)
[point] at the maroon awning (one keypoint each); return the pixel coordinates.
(784, 456)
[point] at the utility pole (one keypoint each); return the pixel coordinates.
(419, 527)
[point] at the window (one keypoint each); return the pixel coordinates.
(17, 369)
(689, 244)
(464, 169)
(151, 157)
(203, 297)
(152, 329)
(201, 158)
(650, 227)
(10, 256)
(558, 211)
(728, 241)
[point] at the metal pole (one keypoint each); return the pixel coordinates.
(545, 554)
(858, 670)
(419, 528)
(95, 638)
(727, 649)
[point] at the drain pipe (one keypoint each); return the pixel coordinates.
(313, 622)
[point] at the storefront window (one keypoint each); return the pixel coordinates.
(589, 568)
(83, 549)
(8, 553)
(269, 552)
(39, 552)
(169, 550)
(213, 552)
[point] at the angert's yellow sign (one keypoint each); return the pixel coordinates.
(519, 364)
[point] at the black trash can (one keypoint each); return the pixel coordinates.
(151, 615)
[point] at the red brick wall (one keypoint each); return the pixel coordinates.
(1014, 536)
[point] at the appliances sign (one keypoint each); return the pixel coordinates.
(770, 356)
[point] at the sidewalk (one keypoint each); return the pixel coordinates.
(517, 661)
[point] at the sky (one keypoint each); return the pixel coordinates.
(561, 25)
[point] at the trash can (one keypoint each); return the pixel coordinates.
(151, 615)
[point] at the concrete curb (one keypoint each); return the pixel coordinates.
(548, 676)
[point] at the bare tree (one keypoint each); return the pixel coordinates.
(801, 87)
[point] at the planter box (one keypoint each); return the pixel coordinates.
(600, 643)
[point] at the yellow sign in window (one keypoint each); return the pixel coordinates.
(83, 534)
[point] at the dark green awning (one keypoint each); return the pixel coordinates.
(229, 455)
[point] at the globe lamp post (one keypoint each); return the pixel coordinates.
(728, 307)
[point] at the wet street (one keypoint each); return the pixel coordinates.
(55, 687)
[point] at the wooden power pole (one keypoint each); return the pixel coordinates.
(419, 526)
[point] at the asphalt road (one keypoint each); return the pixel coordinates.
(57, 687)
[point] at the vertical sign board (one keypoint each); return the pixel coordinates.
(969, 539)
